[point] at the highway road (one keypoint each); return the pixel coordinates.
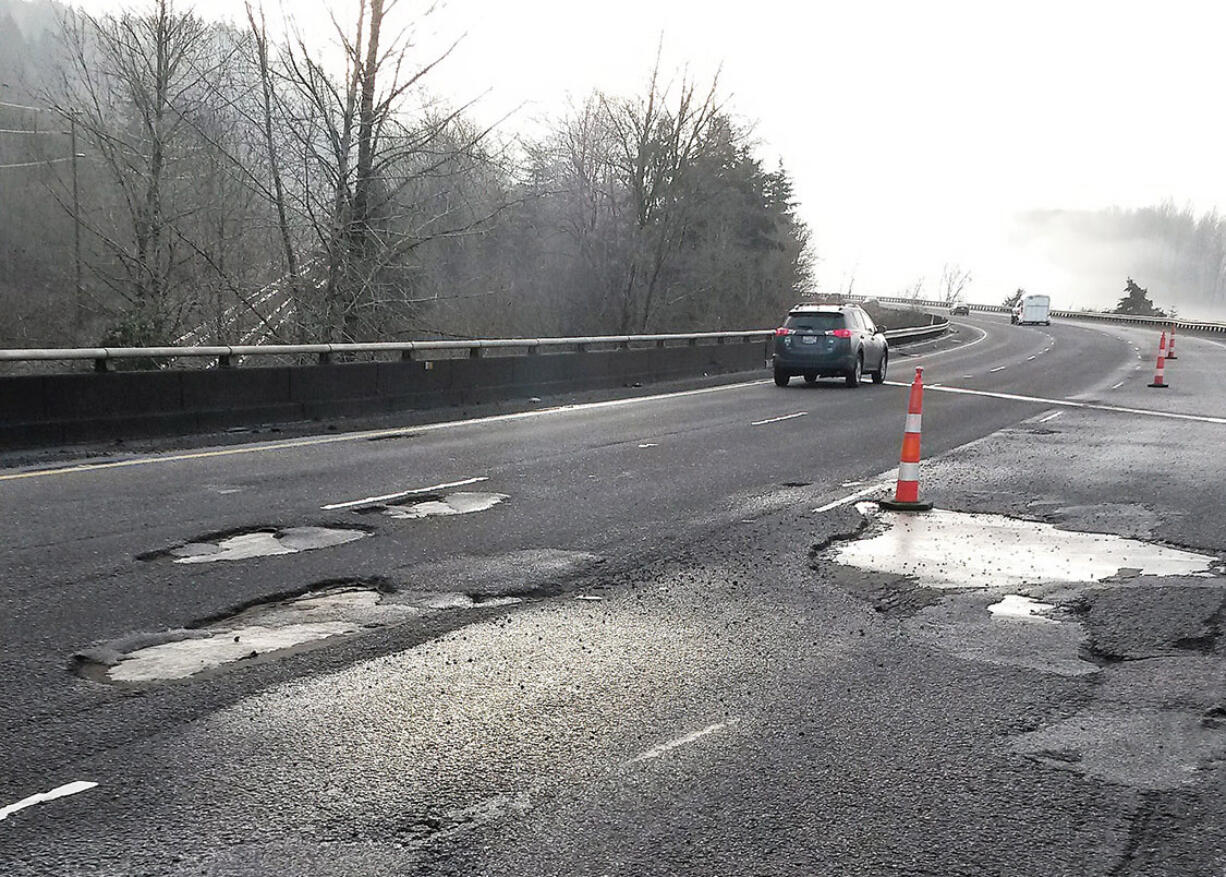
(654, 635)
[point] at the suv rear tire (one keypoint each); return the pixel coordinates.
(879, 374)
(781, 378)
(857, 371)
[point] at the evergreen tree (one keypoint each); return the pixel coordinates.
(1136, 302)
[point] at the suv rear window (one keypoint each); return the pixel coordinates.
(818, 322)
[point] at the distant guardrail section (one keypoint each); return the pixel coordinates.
(1126, 319)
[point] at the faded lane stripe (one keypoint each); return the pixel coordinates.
(777, 419)
(657, 751)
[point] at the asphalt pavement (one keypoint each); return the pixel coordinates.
(687, 681)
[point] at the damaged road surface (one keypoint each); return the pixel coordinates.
(699, 658)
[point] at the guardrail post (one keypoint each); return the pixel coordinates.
(223, 361)
(100, 364)
(691, 342)
(623, 345)
(476, 352)
(325, 358)
(581, 348)
(406, 356)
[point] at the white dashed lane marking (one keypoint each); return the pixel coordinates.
(852, 497)
(58, 792)
(368, 500)
(777, 419)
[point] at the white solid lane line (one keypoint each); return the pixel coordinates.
(657, 751)
(375, 433)
(999, 368)
(59, 792)
(853, 496)
(403, 493)
(777, 419)
(1051, 416)
(1066, 403)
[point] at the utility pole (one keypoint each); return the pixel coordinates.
(76, 236)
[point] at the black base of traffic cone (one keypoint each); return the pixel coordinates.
(1159, 386)
(896, 506)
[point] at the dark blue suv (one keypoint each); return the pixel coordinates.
(822, 341)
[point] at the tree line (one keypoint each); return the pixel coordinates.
(172, 180)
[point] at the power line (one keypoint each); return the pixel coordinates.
(24, 107)
(35, 163)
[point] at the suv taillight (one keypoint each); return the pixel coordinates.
(782, 330)
(841, 333)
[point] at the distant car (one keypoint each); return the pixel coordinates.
(822, 341)
(959, 310)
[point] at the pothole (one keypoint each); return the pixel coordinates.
(999, 590)
(1017, 606)
(258, 542)
(946, 549)
(276, 627)
(436, 505)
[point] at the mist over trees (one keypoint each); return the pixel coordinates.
(181, 181)
(1176, 254)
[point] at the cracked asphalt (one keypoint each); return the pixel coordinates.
(689, 684)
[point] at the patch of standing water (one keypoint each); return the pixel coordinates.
(1017, 606)
(945, 549)
(267, 628)
(451, 504)
(183, 658)
(264, 543)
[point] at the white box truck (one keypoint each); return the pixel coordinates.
(1032, 310)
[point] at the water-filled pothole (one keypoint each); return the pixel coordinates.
(274, 627)
(946, 549)
(1000, 590)
(257, 542)
(1017, 606)
(436, 505)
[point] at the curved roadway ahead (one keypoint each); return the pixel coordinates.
(685, 685)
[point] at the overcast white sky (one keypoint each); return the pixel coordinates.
(914, 131)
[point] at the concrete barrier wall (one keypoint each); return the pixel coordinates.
(42, 410)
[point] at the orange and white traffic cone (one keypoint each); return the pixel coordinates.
(1170, 348)
(1158, 374)
(906, 493)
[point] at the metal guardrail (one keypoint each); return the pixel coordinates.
(1126, 319)
(227, 356)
